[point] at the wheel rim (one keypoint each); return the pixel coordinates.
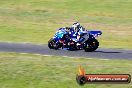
(91, 45)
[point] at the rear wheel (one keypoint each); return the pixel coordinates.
(91, 45)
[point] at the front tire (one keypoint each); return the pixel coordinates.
(91, 45)
(52, 44)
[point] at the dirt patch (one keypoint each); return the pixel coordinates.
(41, 10)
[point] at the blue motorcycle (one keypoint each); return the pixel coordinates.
(66, 38)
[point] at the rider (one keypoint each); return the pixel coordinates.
(76, 31)
(79, 30)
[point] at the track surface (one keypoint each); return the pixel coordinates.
(43, 49)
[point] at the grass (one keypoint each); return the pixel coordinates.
(36, 21)
(37, 71)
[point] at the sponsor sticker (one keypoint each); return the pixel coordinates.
(83, 78)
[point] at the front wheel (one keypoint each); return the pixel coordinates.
(52, 44)
(91, 45)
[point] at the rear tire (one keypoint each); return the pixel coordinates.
(91, 45)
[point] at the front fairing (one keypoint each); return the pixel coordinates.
(59, 34)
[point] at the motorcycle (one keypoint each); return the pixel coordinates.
(64, 38)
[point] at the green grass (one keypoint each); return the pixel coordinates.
(36, 21)
(37, 71)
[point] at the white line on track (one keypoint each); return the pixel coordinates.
(104, 59)
(24, 53)
(64, 56)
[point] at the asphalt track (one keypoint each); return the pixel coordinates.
(44, 50)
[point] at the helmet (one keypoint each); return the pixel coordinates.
(76, 26)
(67, 28)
